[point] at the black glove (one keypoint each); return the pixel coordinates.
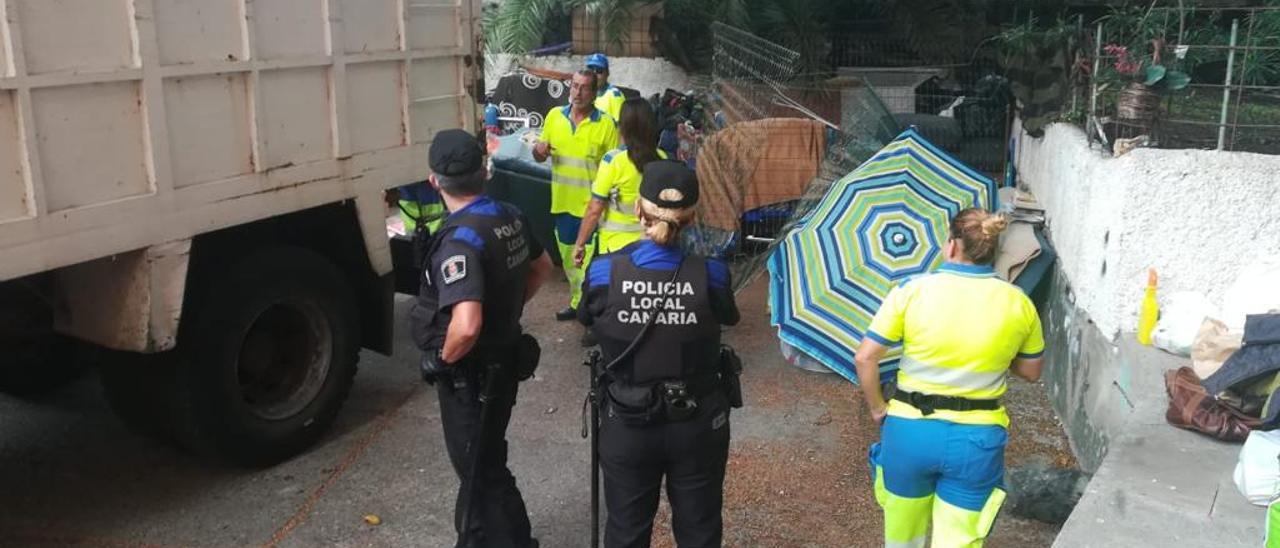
(432, 366)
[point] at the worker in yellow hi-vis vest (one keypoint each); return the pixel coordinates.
(963, 331)
(608, 97)
(617, 185)
(575, 138)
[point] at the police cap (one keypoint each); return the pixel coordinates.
(455, 152)
(663, 175)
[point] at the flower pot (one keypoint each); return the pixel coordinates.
(1138, 103)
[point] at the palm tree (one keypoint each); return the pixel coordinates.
(518, 26)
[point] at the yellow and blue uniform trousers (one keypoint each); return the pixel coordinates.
(938, 471)
(960, 328)
(575, 159)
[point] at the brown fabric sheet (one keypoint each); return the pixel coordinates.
(757, 163)
(1018, 247)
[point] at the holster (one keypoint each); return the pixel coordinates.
(731, 375)
(664, 401)
(528, 354)
(430, 367)
(634, 404)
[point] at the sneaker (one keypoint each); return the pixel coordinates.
(589, 339)
(567, 314)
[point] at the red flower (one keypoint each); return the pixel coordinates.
(1124, 64)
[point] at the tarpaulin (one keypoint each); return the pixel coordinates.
(757, 163)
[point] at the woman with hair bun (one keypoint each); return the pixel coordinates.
(940, 458)
(664, 400)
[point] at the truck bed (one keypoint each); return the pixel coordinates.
(131, 123)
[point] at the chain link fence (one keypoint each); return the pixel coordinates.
(1231, 61)
(962, 103)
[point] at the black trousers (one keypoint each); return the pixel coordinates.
(499, 518)
(690, 454)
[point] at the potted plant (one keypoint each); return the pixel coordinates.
(1145, 80)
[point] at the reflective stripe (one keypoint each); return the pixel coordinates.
(570, 161)
(987, 517)
(956, 526)
(569, 180)
(954, 377)
(913, 543)
(613, 226)
(621, 208)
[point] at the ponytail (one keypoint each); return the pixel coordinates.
(662, 225)
(980, 232)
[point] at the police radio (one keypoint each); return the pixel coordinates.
(678, 403)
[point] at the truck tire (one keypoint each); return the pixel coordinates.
(267, 357)
(35, 366)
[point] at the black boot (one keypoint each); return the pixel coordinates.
(566, 314)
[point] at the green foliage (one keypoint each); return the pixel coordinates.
(941, 31)
(1138, 48)
(800, 25)
(519, 25)
(1136, 27)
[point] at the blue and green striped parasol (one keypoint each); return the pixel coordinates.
(884, 222)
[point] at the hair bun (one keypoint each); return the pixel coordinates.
(994, 224)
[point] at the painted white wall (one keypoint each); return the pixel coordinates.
(648, 76)
(1199, 217)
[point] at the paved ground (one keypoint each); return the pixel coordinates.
(1160, 485)
(70, 473)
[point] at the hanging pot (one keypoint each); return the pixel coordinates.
(1138, 103)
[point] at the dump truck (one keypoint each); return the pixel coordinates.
(191, 198)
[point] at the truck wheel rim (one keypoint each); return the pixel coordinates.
(284, 359)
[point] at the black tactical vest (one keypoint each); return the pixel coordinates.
(505, 264)
(684, 342)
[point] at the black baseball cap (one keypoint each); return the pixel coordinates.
(661, 175)
(455, 152)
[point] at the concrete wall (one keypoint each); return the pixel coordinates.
(1088, 384)
(648, 76)
(1198, 217)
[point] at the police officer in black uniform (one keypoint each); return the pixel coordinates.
(665, 411)
(482, 266)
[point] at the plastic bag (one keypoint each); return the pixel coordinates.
(1180, 319)
(1254, 292)
(1257, 473)
(1213, 345)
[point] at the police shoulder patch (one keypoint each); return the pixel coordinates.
(453, 269)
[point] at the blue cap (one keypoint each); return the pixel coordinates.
(598, 61)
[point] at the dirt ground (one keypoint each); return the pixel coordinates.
(72, 474)
(812, 487)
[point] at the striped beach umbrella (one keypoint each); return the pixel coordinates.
(884, 222)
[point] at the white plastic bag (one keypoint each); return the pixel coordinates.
(1254, 292)
(1257, 474)
(1181, 314)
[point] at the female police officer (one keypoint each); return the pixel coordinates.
(941, 450)
(665, 412)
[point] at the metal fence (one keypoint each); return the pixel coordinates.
(1232, 58)
(961, 102)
